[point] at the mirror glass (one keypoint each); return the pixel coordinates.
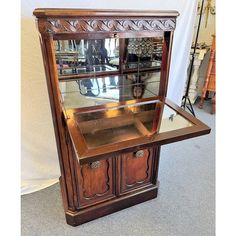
(98, 71)
(103, 90)
(143, 53)
(74, 57)
(126, 122)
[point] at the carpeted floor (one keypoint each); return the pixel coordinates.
(185, 205)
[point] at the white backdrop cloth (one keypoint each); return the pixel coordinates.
(39, 160)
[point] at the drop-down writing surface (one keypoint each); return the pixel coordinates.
(122, 125)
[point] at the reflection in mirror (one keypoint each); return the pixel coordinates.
(126, 122)
(86, 56)
(171, 120)
(98, 71)
(118, 123)
(113, 88)
(143, 53)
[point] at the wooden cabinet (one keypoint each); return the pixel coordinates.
(107, 78)
(105, 179)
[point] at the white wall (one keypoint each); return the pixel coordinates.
(39, 156)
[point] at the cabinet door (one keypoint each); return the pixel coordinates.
(136, 169)
(95, 182)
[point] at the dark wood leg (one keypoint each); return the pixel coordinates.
(213, 101)
(202, 98)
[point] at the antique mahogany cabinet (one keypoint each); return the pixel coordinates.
(107, 78)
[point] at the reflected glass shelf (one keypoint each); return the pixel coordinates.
(103, 90)
(83, 57)
(74, 70)
(143, 65)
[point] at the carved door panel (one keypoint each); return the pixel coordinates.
(136, 169)
(96, 181)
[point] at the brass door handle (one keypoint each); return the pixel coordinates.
(139, 153)
(95, 164)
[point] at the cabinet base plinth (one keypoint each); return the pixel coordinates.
(91, 213)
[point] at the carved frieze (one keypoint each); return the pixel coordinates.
(113, 25)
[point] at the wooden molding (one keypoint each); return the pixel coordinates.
(108, 24)
(75, 218)
(73, 12)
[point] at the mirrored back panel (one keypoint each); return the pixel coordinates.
(142, 53)
(98, 71)
(86, 56)
(106, 89)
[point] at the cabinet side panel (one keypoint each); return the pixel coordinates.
(50, 70)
